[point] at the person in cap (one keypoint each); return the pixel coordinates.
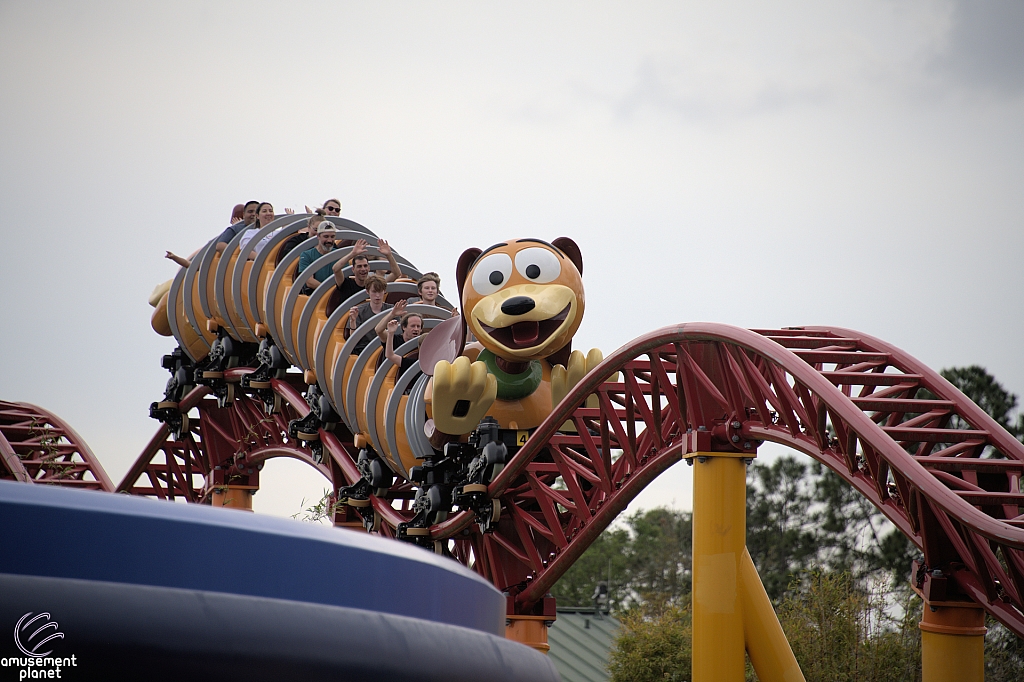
(325, 232)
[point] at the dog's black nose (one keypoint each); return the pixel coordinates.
(518, 305)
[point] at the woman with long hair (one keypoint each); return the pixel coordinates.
(264, 216)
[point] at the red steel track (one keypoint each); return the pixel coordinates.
(852, 402)
(932, 461)
(36, 446)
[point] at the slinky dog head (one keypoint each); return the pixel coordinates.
(523, 299)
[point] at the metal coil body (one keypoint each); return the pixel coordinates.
(251, 297)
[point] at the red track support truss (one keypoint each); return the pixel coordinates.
(933, 462)
(224, 446)
(36, 446)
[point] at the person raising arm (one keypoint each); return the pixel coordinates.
(395, 312)
(412, 326)
(183, 262)
(385, 250)
(358, 251)
(389, 343)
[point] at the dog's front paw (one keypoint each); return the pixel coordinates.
(462, 393)
(565, 379)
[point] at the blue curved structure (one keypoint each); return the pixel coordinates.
(172, 591)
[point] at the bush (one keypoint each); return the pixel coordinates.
(840, 633)
(1004, 653)
(653, 645)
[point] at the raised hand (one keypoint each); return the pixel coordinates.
(384, 248)
(183, 262)
(462, 393)
(392, 327)
(290, 211)
(563, 379)
(359, 249)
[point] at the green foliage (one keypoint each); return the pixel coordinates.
(647, 560)
(653, 645)
(834, 566)
(605, 557)
(320, 512)
(1004, 654)
(840, 632)
(660, 555)
(781, 534)
(853, 536)
(981, 387)
(803, 516)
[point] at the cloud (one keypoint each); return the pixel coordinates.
(695, 94)
(984, 48)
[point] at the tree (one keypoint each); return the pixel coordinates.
(781, 535)
(988, 394)
(646, 560)
(1004, 653)
(653, 645)
(606, 557)
(849, 533)
(660, 555)
(839, 631)
(853, 535)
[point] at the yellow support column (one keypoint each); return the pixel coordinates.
(952, 642)
(719, 539)
(767, 646)
(529, 630)
(234, 496)
(732, 614)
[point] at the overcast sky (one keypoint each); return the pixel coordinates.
(756, 164)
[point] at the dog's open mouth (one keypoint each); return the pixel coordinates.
(523, 335)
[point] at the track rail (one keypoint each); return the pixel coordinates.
(37, 446)
(934, 463)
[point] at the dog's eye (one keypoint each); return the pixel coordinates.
(538, 265)
(491, 273)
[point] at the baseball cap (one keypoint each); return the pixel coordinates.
(326, 226)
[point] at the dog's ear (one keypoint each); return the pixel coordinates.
(571, 251)
(466, 261)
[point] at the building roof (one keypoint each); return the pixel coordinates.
(580, 643)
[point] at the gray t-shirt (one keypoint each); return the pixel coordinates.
(229, 233)
(365, 312)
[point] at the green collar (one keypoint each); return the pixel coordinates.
(512, 386)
